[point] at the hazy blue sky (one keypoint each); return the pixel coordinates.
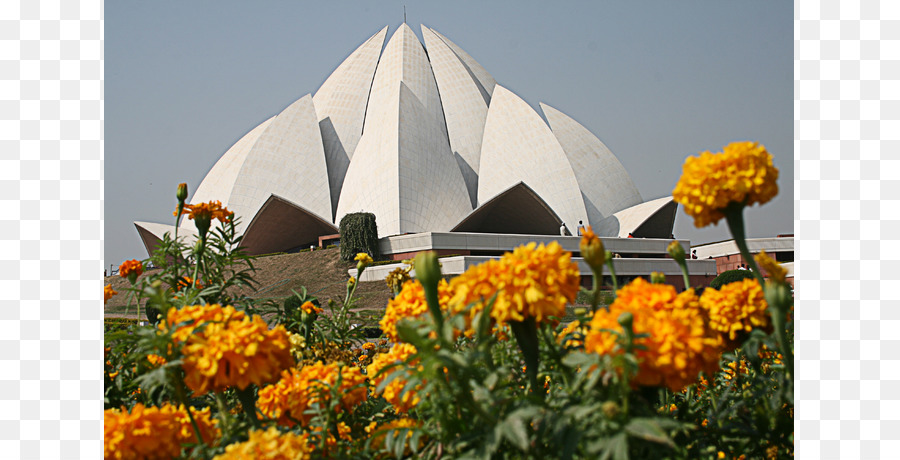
(656, 81)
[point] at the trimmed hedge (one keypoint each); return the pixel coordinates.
(730, 276)
(359, 233)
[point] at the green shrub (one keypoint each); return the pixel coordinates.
(730, 276)
(359, 233)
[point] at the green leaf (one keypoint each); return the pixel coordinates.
(514, 430)
(649, 430)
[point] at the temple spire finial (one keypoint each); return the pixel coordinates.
(404, 14)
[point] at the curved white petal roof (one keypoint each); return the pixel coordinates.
(426, 141)
(630, 220)
(519, 146)
(603, 180)
(403, 170)
(341, 107)
(465, 108)
(219, 181)
(286, 160)
(485, 80)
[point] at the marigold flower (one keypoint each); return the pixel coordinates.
(532, 281)
(742, 173)
(410, 303)
(270, 444)
(679, 345)
(363, 260)
(735, 307)
(299, 390)
(207, 211)
(153, 432)
(108, 293)
(131, 266)
(569, 337)
(229, 350)
(310, 308)
(397, 278)
(393, 391)
(771, 267)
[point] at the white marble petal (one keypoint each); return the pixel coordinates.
(403, 170)
(485, 79)
(605, 183)
(287, 160)
(341, 107)
(219, 181)
(465, 109)
(519, 146)
(630, 219)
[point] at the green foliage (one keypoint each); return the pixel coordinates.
(359, 233)
(730, 276)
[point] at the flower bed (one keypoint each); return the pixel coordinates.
(477, 366)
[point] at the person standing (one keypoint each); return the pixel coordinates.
(580, 228)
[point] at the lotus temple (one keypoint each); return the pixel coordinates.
(447, 159)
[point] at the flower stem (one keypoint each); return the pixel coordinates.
(734, 215)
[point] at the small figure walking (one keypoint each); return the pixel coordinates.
(563, 231)
(580, 228)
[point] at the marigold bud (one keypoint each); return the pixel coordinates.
(676, 251)
(657, 278)
(428, 271)
(182, 192)
(592, 249)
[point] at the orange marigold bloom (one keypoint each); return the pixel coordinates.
(153, 432)
(230, 349)
(131, 266)
(393, 392)
(742, 173)
(532, 281)
(736, 307)
(207, 211)
(310, 308)
(300, 389)
(771, 267)
(679, 345)
(270, 444)
(108, 293)
(410, 303)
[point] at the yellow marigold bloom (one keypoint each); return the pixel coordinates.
(351, 282)
(393, 392)
(410, 303)
(310, 308)
(532, 281)
(230, 350)
(378, 433)
(735, 307)
(592, 249)
(269, 445)
(679, 345)
(397, 278)
(156, 360)
(742, 173)
(301, 389)
(153, 432)
(735, 368)
(362, 260)
(567, 336)
(770, 267)
(131, 266)
(108, 293)
(207, 211)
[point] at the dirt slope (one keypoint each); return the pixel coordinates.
(322, 273)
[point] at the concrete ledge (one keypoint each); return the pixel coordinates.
(402, 246)
(624, 267)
